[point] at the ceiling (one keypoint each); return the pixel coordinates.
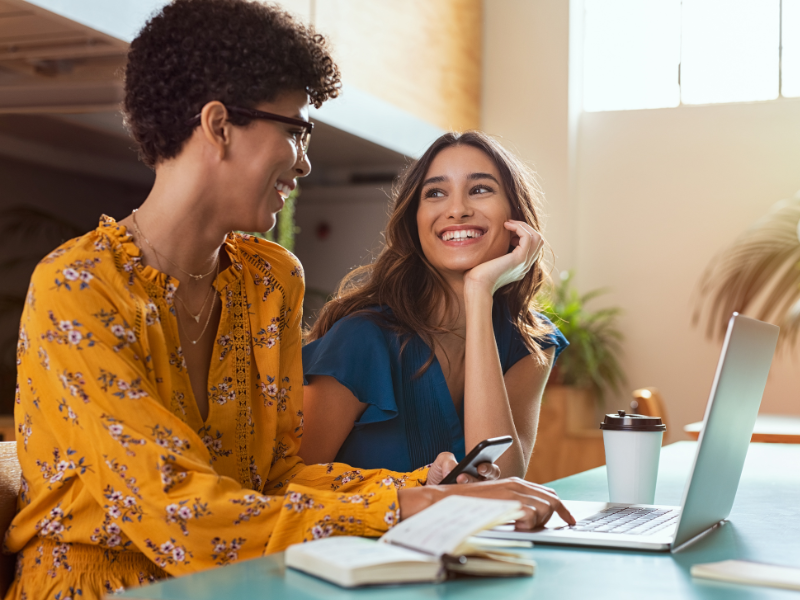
(68, 135)
(48, 62)
(60, 89)
(97, 144)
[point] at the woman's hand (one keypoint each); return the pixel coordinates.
(538, 502)
(446, 462)
(494, 274)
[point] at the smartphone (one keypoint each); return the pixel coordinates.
(486, 451)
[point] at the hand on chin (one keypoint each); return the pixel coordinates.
(508, 268)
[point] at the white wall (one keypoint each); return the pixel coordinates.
(647, 199)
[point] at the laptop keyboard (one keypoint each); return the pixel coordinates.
(630, 521)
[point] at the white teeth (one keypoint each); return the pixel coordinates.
(283, 190)
(461, 234)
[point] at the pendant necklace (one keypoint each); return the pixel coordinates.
(202, 308)
(195, 277)
(197, 318)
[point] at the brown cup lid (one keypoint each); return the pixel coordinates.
(625, 422)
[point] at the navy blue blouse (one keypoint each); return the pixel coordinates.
(408, 420)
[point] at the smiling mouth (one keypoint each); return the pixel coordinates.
(461, 234)
(283, 189)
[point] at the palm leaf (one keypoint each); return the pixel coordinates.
(589, 296)
(792, 320)
(758, 273)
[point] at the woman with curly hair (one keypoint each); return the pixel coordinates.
(437, 345)
(160, 394)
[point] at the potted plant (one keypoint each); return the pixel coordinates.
(591, 362)
(759, 273)
(569, 439)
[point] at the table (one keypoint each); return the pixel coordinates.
(774, 429)
(764, 526)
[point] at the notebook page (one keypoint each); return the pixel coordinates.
(349, 553)
(441, 528)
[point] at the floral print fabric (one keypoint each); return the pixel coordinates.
(118, 467)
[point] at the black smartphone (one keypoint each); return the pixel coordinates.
(486, 451)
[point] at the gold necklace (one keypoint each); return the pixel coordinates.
(202, 308)
(160, 268)
(208, 318)
(192, 275)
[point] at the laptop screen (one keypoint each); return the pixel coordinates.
(728, 425)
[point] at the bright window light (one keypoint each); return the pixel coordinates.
(729, 50)
(790, 40)
(631, 54)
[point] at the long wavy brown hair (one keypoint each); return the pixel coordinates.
(402, 278)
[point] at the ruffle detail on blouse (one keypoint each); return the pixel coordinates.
(123, 240)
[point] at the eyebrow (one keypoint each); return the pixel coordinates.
(437, 179)
(471, 177)
(474, 176)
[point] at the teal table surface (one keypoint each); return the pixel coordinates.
(764, 526)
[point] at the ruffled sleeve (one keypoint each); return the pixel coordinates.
(357, 353)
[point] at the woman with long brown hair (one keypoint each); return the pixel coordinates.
(437, 345)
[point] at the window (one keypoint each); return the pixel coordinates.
(663, 53)
(632, 54)
(790, 48)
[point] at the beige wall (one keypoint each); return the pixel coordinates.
(659, 193)
(650, 197)
(422, 56)
(524, 102)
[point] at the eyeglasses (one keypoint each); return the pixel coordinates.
(301, 138)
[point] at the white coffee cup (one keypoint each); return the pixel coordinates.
(633, 447)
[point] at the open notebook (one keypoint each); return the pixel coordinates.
(422, 548)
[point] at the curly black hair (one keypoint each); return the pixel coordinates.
(235, 51)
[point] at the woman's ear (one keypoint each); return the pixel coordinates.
(216, 127)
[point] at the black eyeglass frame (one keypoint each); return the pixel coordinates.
(302, 143)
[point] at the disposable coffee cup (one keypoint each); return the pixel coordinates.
(633, 447)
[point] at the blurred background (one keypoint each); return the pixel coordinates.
(661, 130)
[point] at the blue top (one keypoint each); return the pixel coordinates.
(408, 421)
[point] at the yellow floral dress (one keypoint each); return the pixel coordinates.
(123, 482)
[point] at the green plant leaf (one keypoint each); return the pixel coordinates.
(592, 359)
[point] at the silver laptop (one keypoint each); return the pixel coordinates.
(707, 500)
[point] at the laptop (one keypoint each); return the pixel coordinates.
(708, 497)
